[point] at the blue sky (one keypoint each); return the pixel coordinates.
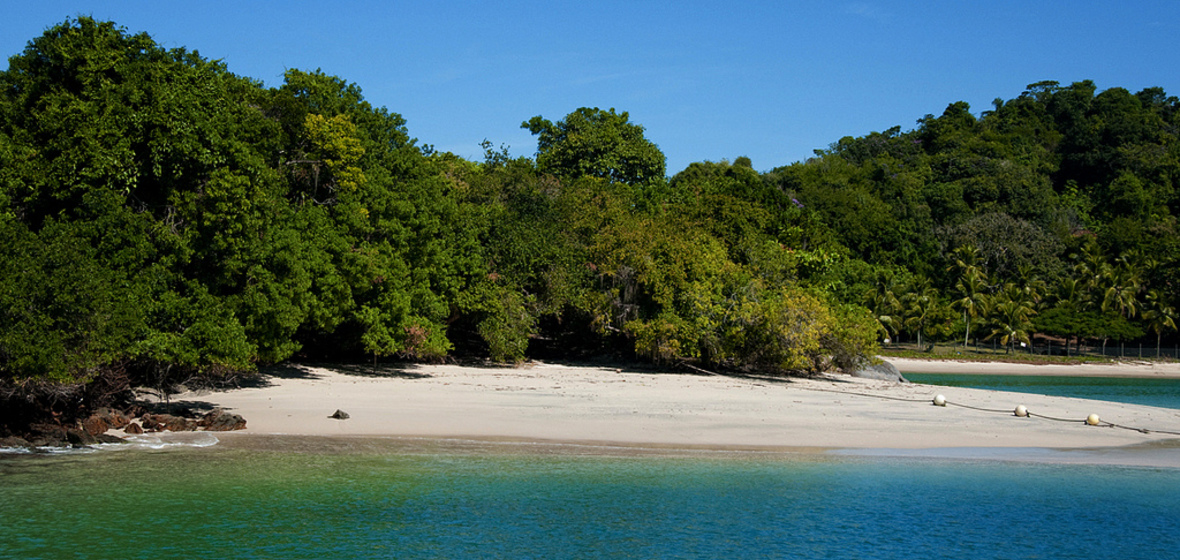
(772, 81)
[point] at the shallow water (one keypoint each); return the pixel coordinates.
(1163, 393)
(371, 498)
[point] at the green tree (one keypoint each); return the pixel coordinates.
(1159, 315)
(596, 143)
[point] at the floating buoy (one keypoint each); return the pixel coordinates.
(1092, 419)
(939, 400)
(1021, 411)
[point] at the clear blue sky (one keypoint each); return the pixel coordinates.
(708, 80)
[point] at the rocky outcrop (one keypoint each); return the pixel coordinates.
(96, 427)
(13, 441)
(167, 422)
(222, 421)
(105, 419)
(883, 371)
(80, 438)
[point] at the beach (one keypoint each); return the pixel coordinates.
(547, 402)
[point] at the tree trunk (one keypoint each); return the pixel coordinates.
(966, 319)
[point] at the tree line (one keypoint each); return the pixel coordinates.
(164, 220)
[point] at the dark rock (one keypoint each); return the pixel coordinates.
(133, 428)
(107, 438)
(115, 419)
(222, 421)
(340, 415)
(51, 431)
(80, 437)
(13, 441)
(883, 371)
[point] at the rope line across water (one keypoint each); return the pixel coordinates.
(991, 410)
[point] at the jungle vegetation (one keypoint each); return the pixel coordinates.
(162, 219)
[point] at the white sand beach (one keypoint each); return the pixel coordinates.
(587, 404)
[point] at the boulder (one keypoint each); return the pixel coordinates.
(47, 435)
(95, 425)
(883, 371)
(114, 419)
(340, 415)
(161, 422)
(13, 441)
(222, 421)
(133, 429)
(107, 438)
(80, 437)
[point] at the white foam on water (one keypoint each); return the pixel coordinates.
(164, 440)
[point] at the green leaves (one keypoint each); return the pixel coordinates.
(596, 143)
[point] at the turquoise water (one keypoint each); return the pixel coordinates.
(1151, 392)
(324, 498)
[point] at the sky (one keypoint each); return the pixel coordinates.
(772, 81)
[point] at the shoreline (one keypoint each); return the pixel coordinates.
(1122, 369)
(547, 404)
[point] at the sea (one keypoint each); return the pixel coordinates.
(1163, 393)
(201, 495)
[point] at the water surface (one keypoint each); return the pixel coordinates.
(1151, 392)
(372, 498)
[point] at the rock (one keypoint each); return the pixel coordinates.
(167, 422)
(95, 425)
(115, 419)
(13, 441)
(883, 371)
(48, 430)
(222, 421)
(107, 438)
(47, 435)
(340, 415)
(133, 429)
(79, 437)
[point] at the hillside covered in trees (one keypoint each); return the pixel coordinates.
(162, 219)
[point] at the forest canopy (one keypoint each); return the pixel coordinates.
(163, 219)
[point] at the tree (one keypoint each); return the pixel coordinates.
(1159, 316)
(1012, 316)
(596, 143)
(920, 306)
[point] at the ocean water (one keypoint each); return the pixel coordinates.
(1151, 392)
(283, 498)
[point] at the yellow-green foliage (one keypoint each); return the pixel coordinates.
(334, 141)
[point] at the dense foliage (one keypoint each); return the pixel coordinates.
(1053, 213)
(163, 219)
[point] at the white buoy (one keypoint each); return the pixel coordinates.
(1092, 419)
(939, 400)
(1021, 411)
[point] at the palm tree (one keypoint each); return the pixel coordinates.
(1013, 316)
(882, 300)
(972, 299)
(919, 305)
(1121, 291)
(1159, 316)
(1071, 295)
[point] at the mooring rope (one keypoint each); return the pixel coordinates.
(1030, 414)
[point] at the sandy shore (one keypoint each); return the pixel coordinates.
(1143, 369)
(551, 402)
